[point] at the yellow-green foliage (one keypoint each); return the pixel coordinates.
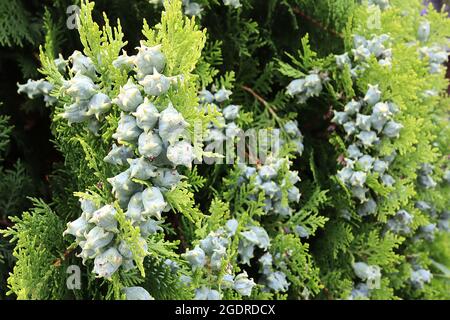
(39, 244)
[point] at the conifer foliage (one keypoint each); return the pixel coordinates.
(344, 195)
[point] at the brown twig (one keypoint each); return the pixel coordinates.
(177, 226)
(317, 23)
(261, 100)
(327, 293)
(58, 261)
